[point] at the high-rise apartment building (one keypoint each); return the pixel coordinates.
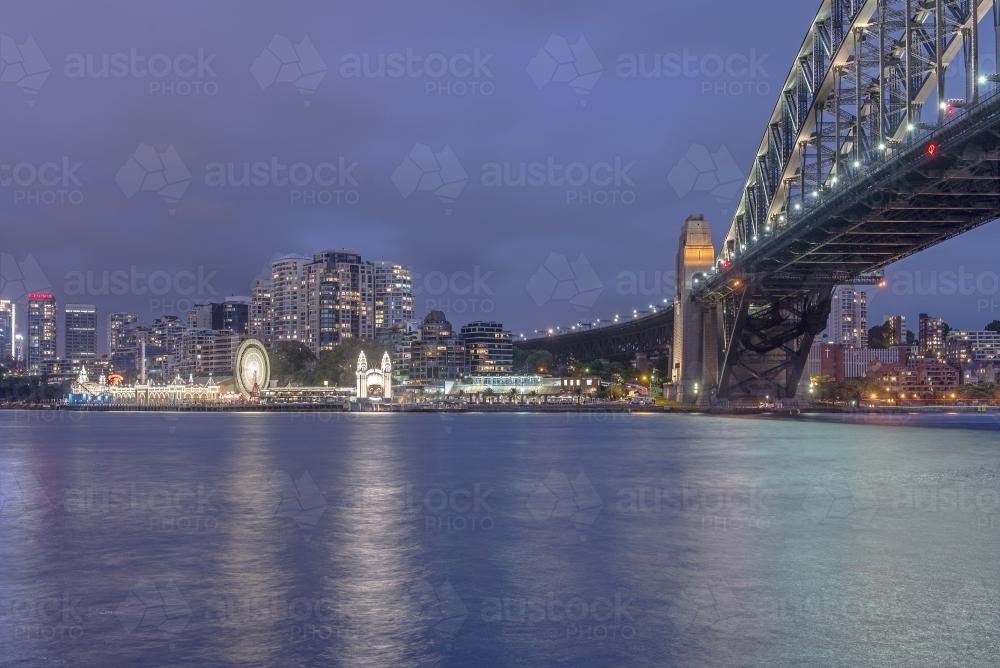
(438, 354)
(261, 309)
(8, 329)
(119, 338)
(489, 349)
(340, 299)
(80, 322)
(896, 324)
(336, 295)
(288, 311)
(393, 297)
(932, 335)
(42, 330)
(848, 323)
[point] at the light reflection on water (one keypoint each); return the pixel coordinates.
(574, 539)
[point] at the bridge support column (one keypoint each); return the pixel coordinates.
(695, 255)
(768, 341)
(711, 352)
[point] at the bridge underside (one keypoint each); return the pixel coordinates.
(773, 302)
(618, 343)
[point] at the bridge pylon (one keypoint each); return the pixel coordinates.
(695, 256)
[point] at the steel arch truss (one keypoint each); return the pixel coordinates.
(854, 95)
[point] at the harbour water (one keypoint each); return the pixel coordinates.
(366, 539)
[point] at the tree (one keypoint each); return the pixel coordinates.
(339, 365)
(993, 326)
(879, 336)
(291, 361)
(536, 361)
(911, 338)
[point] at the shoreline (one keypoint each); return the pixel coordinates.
(518, 408)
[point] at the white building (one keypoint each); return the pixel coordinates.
(848, 323)
(288, 298)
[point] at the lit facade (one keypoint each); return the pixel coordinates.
(964, 347)
(896, 324)
(489, 349)
(80, 321)
(42, 330)
(205, 352)
(393, 297)
(261, 315)
(339, 299)
(931, 336)
(120, 338)
(288, 311)
(8, 329)
(848, 323)
(438, 354)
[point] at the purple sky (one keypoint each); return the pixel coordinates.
(515, 109)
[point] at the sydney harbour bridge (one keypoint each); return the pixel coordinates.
(884, 141)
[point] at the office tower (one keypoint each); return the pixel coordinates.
(339, 299)
(848, 323)
(261, 311)
(8, 329)
(393, 297)
(896, 324)
(931, 336)
(489, 349)
(232, 315)
(288, 298)
(80, 322)
(118, 328)
(41, 330)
